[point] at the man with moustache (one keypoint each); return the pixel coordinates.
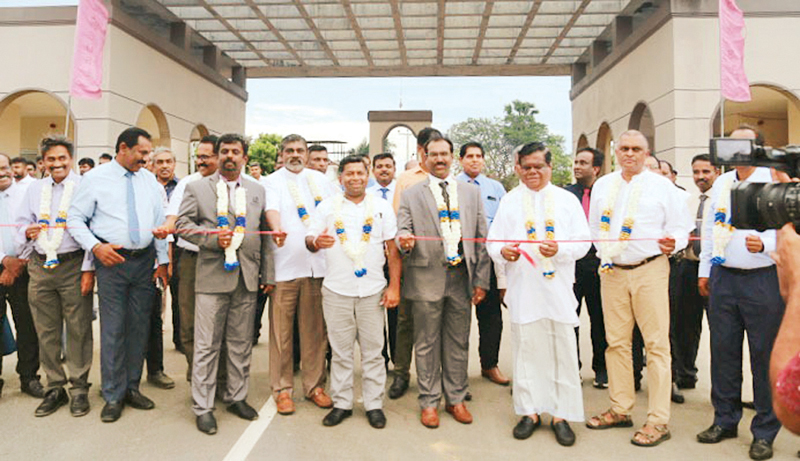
(488, 313)
(293, 194)
(318, 158)
(638, 220)
(355, 230)
(61, 276)
(112, 214)
(19, 168)
(404, 344)
(232, 266)
(741, 280)
(442, 278)
(14, 285)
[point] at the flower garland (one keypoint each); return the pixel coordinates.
(549, 228)
(50, 244)
(723, 230)
(302, 211)
(240, 210)
(355, 250)
(609, 250)
(449, 223)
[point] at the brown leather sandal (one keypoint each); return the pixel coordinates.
(651, 440)
(608, 420)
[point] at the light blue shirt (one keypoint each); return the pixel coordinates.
(10, 200)
(491, 193)
(100, 209)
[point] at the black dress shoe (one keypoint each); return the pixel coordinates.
(79, 405)
(243, 410)
(135, 399)
(111, 412)
(677, 397)
(53, 400)
(525, 427)
(33, 388)
(637, 385)
(1, 385)
(376, 418)
(336, 416)
(761, 449)
(687, 383)
(564, 435)
(468, 396)
(207, 424)
(398, 388)
(716, 434)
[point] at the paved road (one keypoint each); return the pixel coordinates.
(168, 431)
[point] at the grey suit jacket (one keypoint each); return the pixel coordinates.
(198, 212)
(424, 268)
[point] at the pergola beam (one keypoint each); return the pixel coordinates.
(320, 39)
(577, 14)
(487, 13)
(524, 32)
(348, 8)
(275, 31)
(440, 33)
(398, 27)
(234, 31)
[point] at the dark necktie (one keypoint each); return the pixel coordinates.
(698, 225)
(384, 191)
(445, 194)
(585, 201)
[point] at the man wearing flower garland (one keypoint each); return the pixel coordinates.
(293, 194)
(541, 304)
(354, 229)
(741, 281)
(232, 265)
(638, 220)
(61, 275)
(442, 278)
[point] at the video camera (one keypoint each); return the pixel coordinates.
(760, 206)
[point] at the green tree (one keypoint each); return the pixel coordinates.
(264, 150)
(361, 149)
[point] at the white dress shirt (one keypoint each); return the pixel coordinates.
(26, 181)
(736, 254)
(375, 190)
(341, 279)
(10, 200)
(293, 260)
(175, 205)
(530, 296)
(661, 212)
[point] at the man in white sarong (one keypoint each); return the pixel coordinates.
(539, 296)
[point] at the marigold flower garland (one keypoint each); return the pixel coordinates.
(240, 211)
(50, 244)
(609, 250)
(723, 230)
(302, 211)
(449, 223)
(549, 228)
(355, 250)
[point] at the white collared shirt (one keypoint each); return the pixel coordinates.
(342, 279)
(293, 260)
(375, 190)
(175, 205)
(736, 254)
(661, 212)
(529, 295)
(12, 198)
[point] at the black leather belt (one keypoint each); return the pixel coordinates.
(62, 257)
(738, 271)
(128, 253)
(627, 267)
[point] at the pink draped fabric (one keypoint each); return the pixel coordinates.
(87, 59)
(733, 81)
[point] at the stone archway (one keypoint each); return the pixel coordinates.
(27, 116)
(198, 132)
(153, 120)
(582, 142)
(381, 122)
(774, 111)
(605, 143)
(642, 121)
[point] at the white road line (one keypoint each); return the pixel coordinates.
(242, 448)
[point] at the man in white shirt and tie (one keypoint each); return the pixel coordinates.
(383, 167)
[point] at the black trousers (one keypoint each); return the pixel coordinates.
(173, 291)
(743, 302)
(261, 302)
(155, 339)
(686, 308)
(587, 287)
(27, 341)
(490, 325)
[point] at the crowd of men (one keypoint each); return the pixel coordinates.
(393, 265)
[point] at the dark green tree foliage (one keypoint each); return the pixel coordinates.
(264, 150)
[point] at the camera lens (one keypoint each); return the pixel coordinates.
(765, 206)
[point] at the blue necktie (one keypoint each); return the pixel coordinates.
(6, 232)
(384, 191)
(133, 220)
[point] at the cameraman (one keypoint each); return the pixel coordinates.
(744, 297)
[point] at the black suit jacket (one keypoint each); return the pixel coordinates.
(577, 189)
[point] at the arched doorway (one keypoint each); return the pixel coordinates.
(774, 111)
(582, 142)
(401, 141)
(198, 132)
(26, 117)
(381, 122)
(642, 121)
(153, 120)
(605, 143)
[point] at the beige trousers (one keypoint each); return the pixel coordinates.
(638, 296)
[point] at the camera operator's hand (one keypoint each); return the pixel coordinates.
(754, 244)
(788, 259)
(702, 286)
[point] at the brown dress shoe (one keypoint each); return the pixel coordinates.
(285, 403)
(430, 418)
(494, 375)
(459, 412)
(320, 398)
